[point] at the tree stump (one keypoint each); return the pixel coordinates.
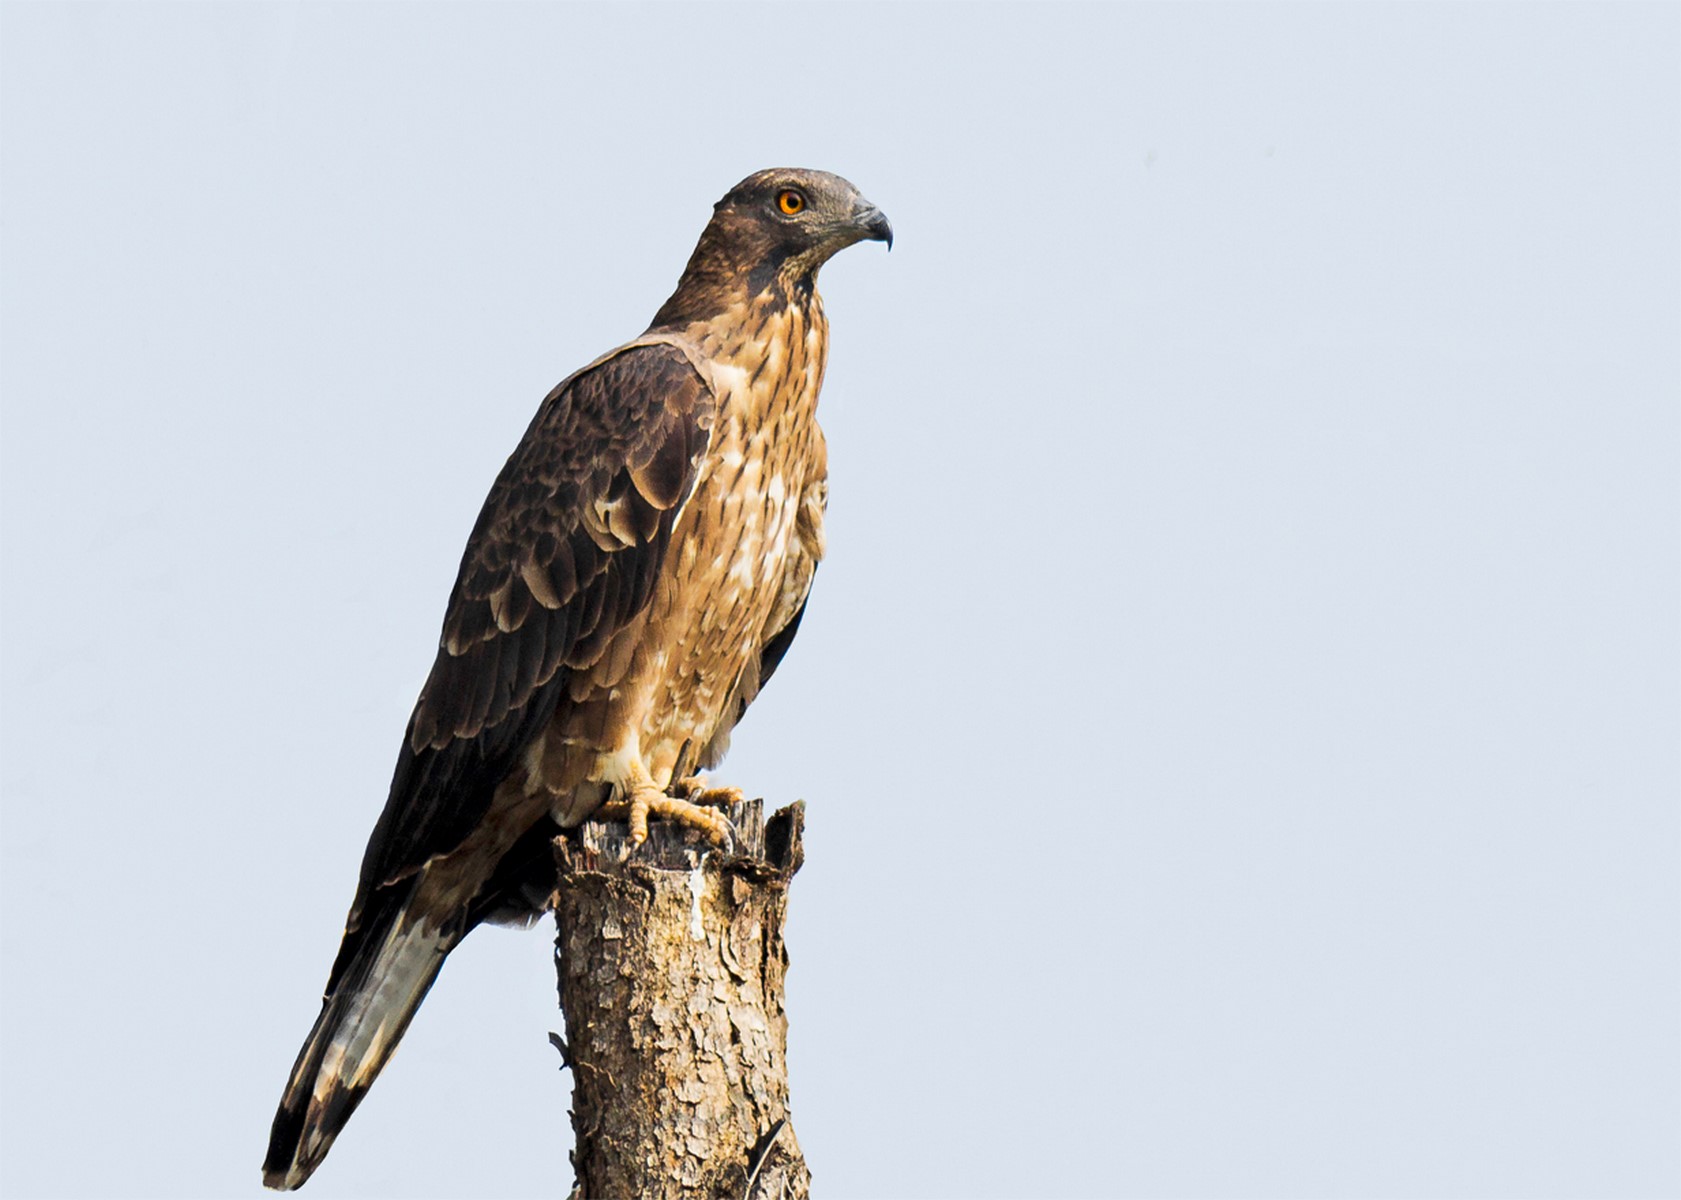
(671, 966)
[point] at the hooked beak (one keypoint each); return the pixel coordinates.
(875, 225)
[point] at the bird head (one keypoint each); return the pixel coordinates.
(771, 232)
(804, 216)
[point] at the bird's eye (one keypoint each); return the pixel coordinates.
(790, 202)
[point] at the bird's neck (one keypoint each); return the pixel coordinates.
(763, 331)
(716, 281)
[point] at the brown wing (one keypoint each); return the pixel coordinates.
(564, 553)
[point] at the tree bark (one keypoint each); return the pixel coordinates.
(671, 966)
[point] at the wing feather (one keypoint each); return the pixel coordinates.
(564, 553)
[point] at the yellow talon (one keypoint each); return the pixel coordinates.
(699, 791)
(649, 801)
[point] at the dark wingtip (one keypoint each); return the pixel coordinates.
(284, 1137)
(297, 1144)
(286, 1167)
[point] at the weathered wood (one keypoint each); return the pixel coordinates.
(671, 966)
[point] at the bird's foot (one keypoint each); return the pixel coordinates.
(698, 790)
(649, 801)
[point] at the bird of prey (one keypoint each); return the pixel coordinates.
(638, 571)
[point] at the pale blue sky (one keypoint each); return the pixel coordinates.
(1239, 710)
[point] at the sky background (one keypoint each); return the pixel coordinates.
(1238, 712)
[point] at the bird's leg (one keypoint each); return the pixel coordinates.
(642, 798)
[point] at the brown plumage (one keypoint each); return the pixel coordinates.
(636, 574)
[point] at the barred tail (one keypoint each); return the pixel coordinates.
(363, 1017)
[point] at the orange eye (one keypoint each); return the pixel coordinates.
(790, 201)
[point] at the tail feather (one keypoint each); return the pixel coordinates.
(370, 1005)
